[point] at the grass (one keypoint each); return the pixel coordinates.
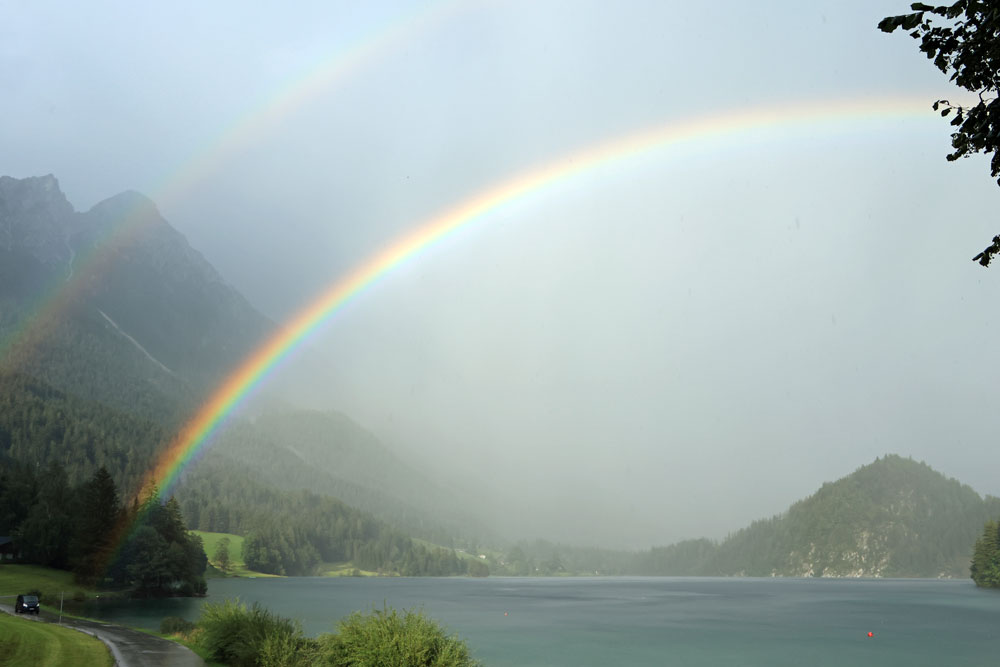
(237, 568)
(432, 546)
(24, 642)
(345, 569)
(17, 579)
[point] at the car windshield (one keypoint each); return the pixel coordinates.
(30, 599)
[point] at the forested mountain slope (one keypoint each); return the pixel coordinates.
(327, 452)
(113, 303)
(113, 330)
(892, 518)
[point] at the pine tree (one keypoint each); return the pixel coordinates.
(985, 566)
(222, 556)
(98, 520)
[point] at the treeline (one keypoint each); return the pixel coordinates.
(326, 452)
(985, 566)
(542, 558)
(293, 532)
(144, 548)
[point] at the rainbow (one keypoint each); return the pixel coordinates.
(119, 232)
(334, 68)
(727, 125)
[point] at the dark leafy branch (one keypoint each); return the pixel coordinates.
(963, 41)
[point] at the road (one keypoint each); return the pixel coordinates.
(130, 648)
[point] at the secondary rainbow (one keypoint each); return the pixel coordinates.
(820, 114)
(321, 77)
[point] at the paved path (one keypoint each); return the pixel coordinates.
(130, 648)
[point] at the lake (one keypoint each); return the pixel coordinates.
(649, 621)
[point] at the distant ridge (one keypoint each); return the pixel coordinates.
(113, 303)
(895, 517)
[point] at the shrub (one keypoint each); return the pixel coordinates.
(237, 635)
(387, 638)
(175, 625)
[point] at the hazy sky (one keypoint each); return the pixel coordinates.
(679, 342)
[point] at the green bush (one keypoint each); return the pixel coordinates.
(385, 638)
(243, 636)
(175, 625)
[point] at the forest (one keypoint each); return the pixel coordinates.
(143, 547)
(52, 444)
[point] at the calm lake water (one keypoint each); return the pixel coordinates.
(650, 621)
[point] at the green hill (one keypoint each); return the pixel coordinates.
(892, 518)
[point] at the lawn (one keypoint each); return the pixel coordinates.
(237, 568)
(343, 570)
(26, 642)
(17, 579)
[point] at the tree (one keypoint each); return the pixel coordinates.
(963, 40)
(478, 568)
(222, 555)
(99, 518)
(985, 567)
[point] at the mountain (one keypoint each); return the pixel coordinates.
(327, 452)
(113, 330)
(892, 518)
(113, 303)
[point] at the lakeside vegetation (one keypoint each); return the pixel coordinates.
(985, 566)
(241, 635)
(144, 548)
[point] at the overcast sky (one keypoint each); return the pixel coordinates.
(677, 342)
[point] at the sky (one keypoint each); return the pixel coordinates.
(666, 345)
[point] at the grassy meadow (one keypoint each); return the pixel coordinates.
(237, 568)
(26, 642)
(17, 579)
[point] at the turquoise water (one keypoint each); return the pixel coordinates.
(652, 621)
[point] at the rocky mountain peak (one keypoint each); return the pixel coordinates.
(36, 218)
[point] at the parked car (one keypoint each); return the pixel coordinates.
(26, 604)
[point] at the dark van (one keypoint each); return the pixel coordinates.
(26, 604)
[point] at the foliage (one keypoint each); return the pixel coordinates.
(478, 568)
(58, 528)
(385, 637)
(985, 568)
(40, 425)
(26, 643)
(221, 557)
(238, 635)
(175, 625)
(963, 40)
